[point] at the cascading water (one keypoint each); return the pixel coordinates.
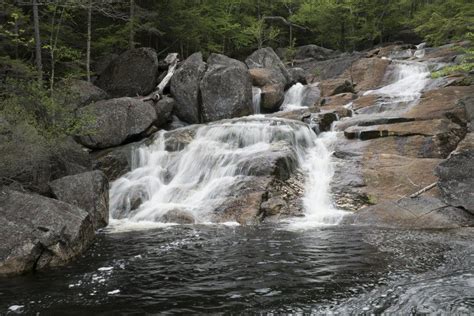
(256, 99)
(294, 98)
(196, 180)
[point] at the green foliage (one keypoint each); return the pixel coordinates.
(467, 63)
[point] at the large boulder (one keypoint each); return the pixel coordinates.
(113, 122)
(30, 162)
(272, 82)
(267, 58)
(81, 93)
(185, 88)
(314, 52)
(456, 176)
(39, 232)
(226, 89)
(89, 191)
(132, 73)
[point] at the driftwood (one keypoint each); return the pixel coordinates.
(172, 61)
(418, 193)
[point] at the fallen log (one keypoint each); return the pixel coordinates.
(172, 61)
(418, 193)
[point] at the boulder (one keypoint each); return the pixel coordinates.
(313, 51)
(115, 121)
(272, 96)
(132, 73)
(267, 58)
(332, 87)
(298, 75)
(88, 191)
(185, 88)
(456, 176)
(30, 162)
(39, 232)
(81, 93)
(226, 90)
(267, 76)
(311, 96)
(367, 73)
(331, 68)
(413, 213)
(115, 162)
(164, 108)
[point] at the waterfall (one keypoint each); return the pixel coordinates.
(256, 99)
(408, 81)
(294, 98)
(197, 179)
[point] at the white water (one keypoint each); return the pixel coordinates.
(198, 179)
(256, 99)
(294, 98)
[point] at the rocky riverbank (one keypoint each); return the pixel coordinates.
(53, 201)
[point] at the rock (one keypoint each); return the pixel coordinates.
(115, 121)
(298, 75)
(178, 217)
(332, 87)
(272, 97)
(164, 107)
(185, 88)
(174, 123)
(81, 93)
(226, 90)
(267, 76)
(272, 83)
(219, 59)
(390, 177)
(99, 65)
(456, 176)
(30, 162)
(115, 162)
(413, 213)
(178, 139)
(313, 51)
(39, 232)
(267, 58)
(273, 206)
(88, 191)
(331, 68)
(445, 134)
(367, 73)
(448, 102)
(338, 100)
(132, 73)
(311, 96)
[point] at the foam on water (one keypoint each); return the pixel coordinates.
(256, 99)
(294, 98)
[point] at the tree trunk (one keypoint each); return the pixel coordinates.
(89, 38)
(131, 40)
(38, 60)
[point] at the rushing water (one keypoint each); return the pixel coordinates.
(294, 98)
(256, 99)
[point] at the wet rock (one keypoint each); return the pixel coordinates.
(267, 58)
(445, 134)
(39, 232)
(273, 206)
(367, 73)
(448, 102)
(88, 191)
(456, 176)
(414, 213)
(178, 139)
(115, 162)
(132, 73)
(272, 97)
(311, 96)
(115, 121)
(185, 88)
(272, 83)
(338, 100)
(226, 90)
(332, 87)
(178, 217)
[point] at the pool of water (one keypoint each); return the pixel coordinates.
(265, 269)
